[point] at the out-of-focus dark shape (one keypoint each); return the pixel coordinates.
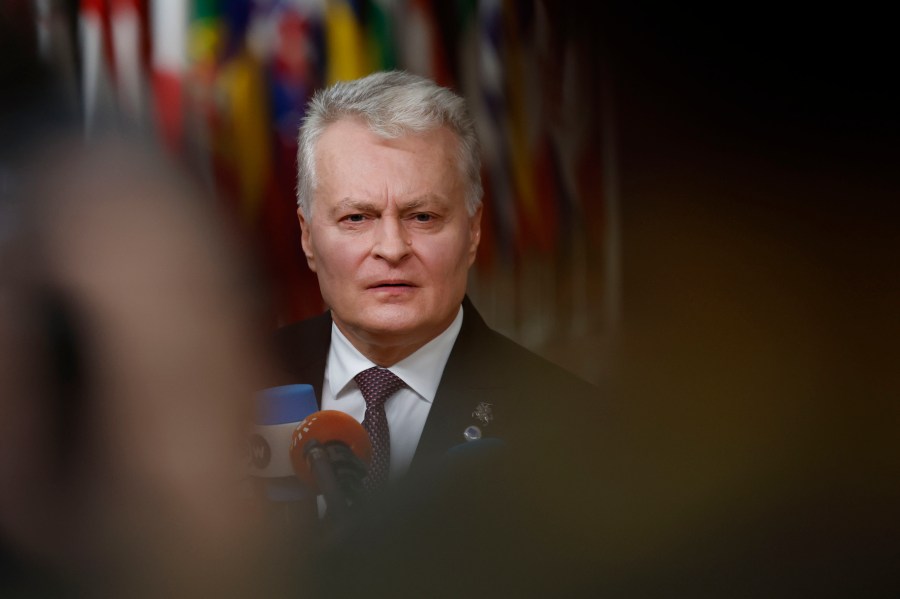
(129, 354)
(129, 360)
(757, 359)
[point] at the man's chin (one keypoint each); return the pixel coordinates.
(380, 319)
(390, 330)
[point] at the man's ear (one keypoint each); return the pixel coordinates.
(474, 233)
(304, 240)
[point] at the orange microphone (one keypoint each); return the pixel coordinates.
(330, 454)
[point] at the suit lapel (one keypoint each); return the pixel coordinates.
(465, 383)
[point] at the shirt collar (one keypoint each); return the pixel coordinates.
(421, 371)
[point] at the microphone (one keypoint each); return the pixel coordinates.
(330, 453)
(278, 411)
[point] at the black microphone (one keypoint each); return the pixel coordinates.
(330, 454)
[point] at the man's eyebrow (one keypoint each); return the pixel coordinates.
(354, 205)
(359, 205)
(429, 199)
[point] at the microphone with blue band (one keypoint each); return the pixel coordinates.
(278, 412)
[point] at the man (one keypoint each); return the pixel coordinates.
(389, 196)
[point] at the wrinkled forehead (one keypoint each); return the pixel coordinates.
(350, 156)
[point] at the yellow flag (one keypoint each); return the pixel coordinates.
(243, 85)
(345, 44)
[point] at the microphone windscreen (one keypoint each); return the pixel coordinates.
(328, 426)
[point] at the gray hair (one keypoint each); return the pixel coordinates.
(392, 104)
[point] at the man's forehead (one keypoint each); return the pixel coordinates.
(418, 168)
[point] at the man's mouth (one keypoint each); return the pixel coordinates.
(390, 284)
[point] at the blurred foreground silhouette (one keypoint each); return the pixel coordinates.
(128, 356)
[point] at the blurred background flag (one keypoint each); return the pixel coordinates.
(294, 65)
(98, 96)
(381, 32)
(130, 43)
(424, 49)
(347, 52)
(244, 130)
(169, 39)
(223, 85)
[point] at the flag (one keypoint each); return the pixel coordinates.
(97, 76)
(346, 47)
(424, 50)
(245, 131)
(128, 28)
(295, 71)
(489, 111)
(169, 61)
(380, 34)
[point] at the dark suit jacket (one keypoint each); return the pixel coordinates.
(479, 520)
(484, 366)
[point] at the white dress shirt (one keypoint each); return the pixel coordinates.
(408, 408)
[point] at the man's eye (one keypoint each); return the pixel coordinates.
(423, 218)
(355, 218)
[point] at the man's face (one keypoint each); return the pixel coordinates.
(389, 236)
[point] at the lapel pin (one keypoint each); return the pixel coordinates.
(472, 433)
(483, 413)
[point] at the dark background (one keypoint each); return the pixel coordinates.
(757, 154)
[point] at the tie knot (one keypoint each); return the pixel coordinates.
(377, 384)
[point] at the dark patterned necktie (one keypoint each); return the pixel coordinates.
(377, 384)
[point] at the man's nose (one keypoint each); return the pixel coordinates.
(392, 241)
